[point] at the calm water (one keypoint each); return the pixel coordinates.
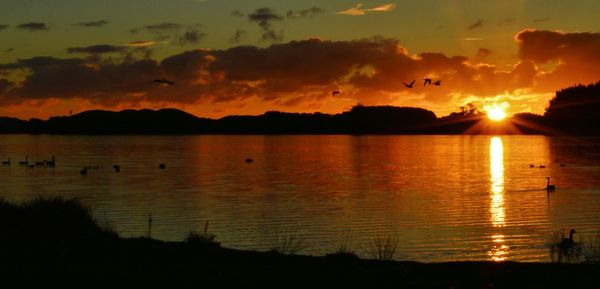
(445, 197)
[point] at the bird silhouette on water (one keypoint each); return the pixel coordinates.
(25, 162)
(426, 81)
(335, 92)
(437, 82)
(549, 187)
(568, 249)
(6, 163)
(117, 168)
(163, 81)
(51, 163)
(409, 85)
(162, 166)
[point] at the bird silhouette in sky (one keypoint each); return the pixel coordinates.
(335, 92)
(426, 81)
(409, 85)
(437, 82)
(163, 81)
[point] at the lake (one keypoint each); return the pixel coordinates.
(445, 198)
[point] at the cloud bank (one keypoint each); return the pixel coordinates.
(302, 74)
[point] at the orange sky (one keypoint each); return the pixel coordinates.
(297, 71)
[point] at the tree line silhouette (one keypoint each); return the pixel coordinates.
(574, 110)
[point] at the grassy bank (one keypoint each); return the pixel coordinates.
(58, 241)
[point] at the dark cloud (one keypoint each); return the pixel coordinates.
(538, 20)
(39, 62)
(307, 71)
(577, 55)
(99, 23)
(277, 73)
(160, 28)
(3, 26)
(238, 35)
(33, 26)
(76, 78)
(477, 24)
(237, 13)
(190, 36)
(178, 34)
(265, 17)
(97, 49)
(542, 46)
(5, 85)
(482, 54)
(306, 13)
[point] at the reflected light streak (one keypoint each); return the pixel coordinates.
(499, 251)
(497, 181)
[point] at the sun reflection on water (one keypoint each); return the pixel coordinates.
(498, 218)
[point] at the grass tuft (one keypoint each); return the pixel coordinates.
(287, 243)
(383, 247)
(203, 237)
(344, 250)
(591, 248)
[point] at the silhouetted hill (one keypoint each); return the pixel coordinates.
(574, 110)
(13, 125)
(385, 119)
(359, 120)
(145, 121)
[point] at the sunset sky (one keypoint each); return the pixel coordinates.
(251, 56)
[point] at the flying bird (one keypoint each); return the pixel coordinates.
(409, 85)
(335, 92)
(426, 81)
(437, 82)
(163, 81)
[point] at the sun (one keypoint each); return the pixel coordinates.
(496, 112)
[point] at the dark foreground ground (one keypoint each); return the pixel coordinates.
(56, 242)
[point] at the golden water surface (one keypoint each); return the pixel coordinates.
(445, 198)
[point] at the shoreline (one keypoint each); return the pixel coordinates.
(56, 241)
(145, 262)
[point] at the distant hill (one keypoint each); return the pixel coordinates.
(359, 120)
(574, 110)
(145, 121)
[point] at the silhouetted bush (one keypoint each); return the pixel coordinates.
(576, 109)
(383, 247)
(47, 221)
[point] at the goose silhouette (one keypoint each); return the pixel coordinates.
(549, 187)
(25, 162)
(51, 163)
(409, 85)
